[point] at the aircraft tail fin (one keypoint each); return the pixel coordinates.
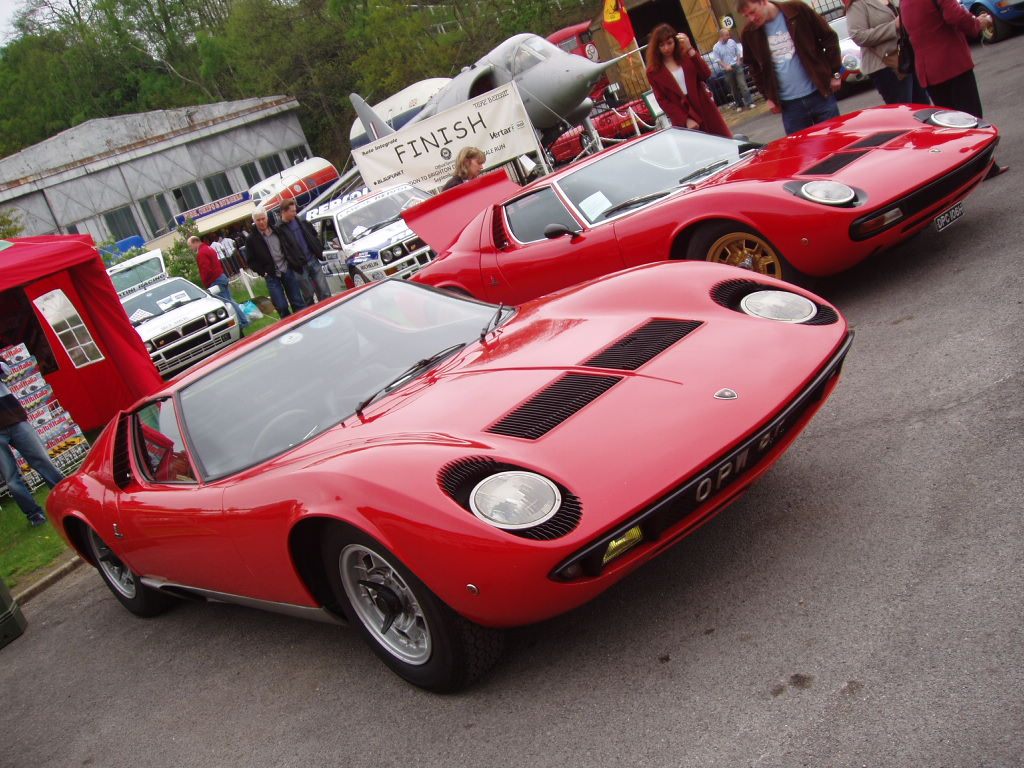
(374, 126)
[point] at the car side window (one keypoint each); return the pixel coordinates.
(529, 216)
(328, 234)
(159, 447)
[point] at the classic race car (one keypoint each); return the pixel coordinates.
(433, 469)
(810, 204)
(851, 73)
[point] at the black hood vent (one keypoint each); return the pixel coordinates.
(642, 344)
(876, 139)
(837, 162)
(553, 405)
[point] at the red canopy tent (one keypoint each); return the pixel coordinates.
(56, 298)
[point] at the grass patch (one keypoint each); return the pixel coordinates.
(24, 549)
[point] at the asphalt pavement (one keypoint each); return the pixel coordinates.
(860, 606)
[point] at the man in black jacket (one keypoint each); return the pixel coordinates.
(272, 253)
(304, 236)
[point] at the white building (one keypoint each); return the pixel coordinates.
(115, 177)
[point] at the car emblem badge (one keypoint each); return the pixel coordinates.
(726, 394)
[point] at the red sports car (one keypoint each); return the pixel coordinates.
(811, 204)
(433, 469)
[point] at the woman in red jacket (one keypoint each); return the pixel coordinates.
(678, 76)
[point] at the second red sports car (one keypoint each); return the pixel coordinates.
(811, 204)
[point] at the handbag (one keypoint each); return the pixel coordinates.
(905, 53)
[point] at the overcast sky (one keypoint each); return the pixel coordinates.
(7, 9)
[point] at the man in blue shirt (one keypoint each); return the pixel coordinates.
(794, 58)
(305, 238)
(726, 52)
(16, 432)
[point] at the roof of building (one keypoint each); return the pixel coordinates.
(106, 136)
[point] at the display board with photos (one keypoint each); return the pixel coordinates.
(60, 434)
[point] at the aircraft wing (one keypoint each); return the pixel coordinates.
(440, 219)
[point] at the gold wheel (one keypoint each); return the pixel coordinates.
(746, 250)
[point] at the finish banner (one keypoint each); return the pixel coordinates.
(423, 154)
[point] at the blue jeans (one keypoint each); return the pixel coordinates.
(317, 278)
(225, 293)
(23, 437)
(808, 110)
(284, 289)
(896, 91)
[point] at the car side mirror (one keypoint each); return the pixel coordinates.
(555, 231)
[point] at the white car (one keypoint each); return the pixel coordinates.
(179, 323)
(850, 52)
(365, 238)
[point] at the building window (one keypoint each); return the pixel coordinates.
(65, 321)
(72, 229)
(158, 214)
(187, 196)
(121, 223)
(270, 165)
(252, 176)
(297, 154)
(218, 186)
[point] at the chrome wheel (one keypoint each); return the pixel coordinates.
(385, 604)
(118, 575)
(746, 250)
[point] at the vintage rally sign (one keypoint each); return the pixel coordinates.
(423, 154)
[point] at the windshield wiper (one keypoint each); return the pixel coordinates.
(493, 322)
(380, 225)
(705, 170)
(416, 368)
(634, 201)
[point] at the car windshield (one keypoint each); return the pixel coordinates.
(646, 170)
(126, 278)
(377, 214)
(298, 384)
(839, 25)
(161, 298)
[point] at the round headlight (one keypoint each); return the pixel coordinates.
(211, 317)
(513, 500)
(397, 251)
(851, 62)
(222, 313)
(149, 346)
(783, 306)
(828, 192)
(953, 119)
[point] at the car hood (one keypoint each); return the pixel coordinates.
(177, 317)
(492, 399)
(393, 233)
(862, 148)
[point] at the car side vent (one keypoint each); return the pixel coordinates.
(729, 293)
(500, 236)
(122, 465)
(459, 478)
(835, 163)
(876, 139)
(642, 344)
(553, 405)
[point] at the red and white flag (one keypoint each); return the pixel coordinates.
(617, 24)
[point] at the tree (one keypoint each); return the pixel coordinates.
(10, 224)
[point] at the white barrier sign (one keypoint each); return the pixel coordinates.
(423, 154)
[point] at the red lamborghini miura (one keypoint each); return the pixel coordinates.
(811, 204)
(433, 469)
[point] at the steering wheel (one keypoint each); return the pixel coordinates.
(269, 438)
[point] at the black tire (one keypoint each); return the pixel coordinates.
(457, 651)
(713, 242)
(123, 582)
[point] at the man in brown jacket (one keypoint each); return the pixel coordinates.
(793, 55)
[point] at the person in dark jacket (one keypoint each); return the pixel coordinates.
(305, 237)
(678, 77)
(469, 164)
(275, 256)
(793, 56)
